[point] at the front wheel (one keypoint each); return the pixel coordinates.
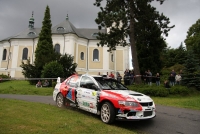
(107, 113)
(60, 100)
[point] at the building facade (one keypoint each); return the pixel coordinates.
(78, 42)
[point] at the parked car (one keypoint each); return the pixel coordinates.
(103, 96)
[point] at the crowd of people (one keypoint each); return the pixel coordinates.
(45, 84)
(129, 77)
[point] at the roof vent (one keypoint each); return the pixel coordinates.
(31, 33)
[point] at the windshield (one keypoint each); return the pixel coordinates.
(110, 84)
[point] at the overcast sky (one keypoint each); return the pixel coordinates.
(15, 14)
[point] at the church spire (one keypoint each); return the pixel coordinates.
(67, 17)
(31, 22)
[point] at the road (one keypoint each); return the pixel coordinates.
(169, 120)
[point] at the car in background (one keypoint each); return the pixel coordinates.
(103, 96)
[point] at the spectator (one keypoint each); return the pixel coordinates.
(99, 73)
(119, 77)
(171, 80)
(178, 79)
(158, 79)
(131, 77)
(39, 84)
(46, 83)
(149, 77)
(166, 84)
(111, 75)
(107, 74)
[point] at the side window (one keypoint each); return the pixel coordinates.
(73, 82)
(4, 54)
(25, 54)
(57, 48)
(82, 56)
(95, 55)
(86, 82)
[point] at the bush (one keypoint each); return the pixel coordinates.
(52, 70)
(2, 76)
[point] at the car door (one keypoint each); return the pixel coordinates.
(71, 92)
(87, 95)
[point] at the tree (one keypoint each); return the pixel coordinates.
(68, 66)
(191, 69)
(192, 40)
(171, 56)
(29, 71)
(44, 52)
(52, 70)
(120, 17)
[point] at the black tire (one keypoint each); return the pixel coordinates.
(107, 113)
(60, 100)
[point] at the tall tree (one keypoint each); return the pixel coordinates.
(191, 65)
(192, 40)
(44, 52)
(120, 17)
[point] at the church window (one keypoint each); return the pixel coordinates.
(82, 56)
(31, 33)
(57, 48)
(95, 34)
(60, 29)
(4, 54)
(25, 54)
(95, 55)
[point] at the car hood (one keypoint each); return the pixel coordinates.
(129, 95)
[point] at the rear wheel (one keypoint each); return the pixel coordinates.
(60, 100)
(107, 113)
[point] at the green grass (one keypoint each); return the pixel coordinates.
(23, 87)
(21, 117)
(190, 102)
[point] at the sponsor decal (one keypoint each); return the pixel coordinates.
(87, 104)
(94, 93)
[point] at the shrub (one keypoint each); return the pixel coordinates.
(52, 70)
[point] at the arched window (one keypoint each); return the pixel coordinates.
(96, 55)
(4, 54)
(82, 56)
(112, 57)
(25, 54)
(57, 48)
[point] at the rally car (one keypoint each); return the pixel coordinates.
(103, 96)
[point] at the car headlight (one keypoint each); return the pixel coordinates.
(128, 103)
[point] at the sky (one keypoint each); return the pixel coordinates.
(15, 14)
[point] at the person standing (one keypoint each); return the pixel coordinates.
(172, 80)
(178, 79)
(111, 75)
(158, 79)
(149, 76)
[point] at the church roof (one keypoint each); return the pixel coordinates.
(65, 27)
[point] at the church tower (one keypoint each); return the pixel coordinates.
(31, 22)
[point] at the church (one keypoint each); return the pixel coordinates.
(78, 42)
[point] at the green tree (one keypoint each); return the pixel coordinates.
(29, 71)
(120, 17)
(69, 67)
(191, 69)
(52, 70)
(44, 52)
(171, 56)
(192, 40)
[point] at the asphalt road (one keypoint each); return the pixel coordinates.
(169, 120)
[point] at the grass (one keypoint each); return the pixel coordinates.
(21, 117)
(24, 88)
(191, 101)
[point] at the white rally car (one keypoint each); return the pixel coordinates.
(105, 97)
